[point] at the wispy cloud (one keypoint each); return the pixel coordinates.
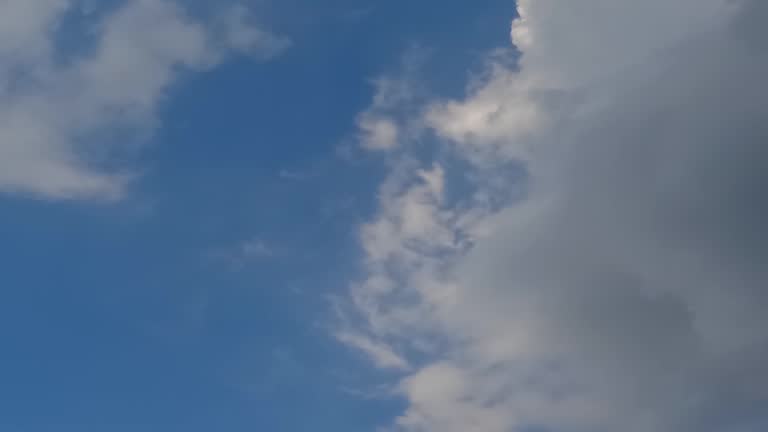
(393, 114)
(53, 114)
(244, 254)
(381, 354)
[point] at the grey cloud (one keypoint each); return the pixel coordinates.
(645, 269)
(627, 291)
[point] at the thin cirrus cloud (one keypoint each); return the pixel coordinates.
(51, 110)
(625, 289)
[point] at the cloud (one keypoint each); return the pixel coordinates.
(381, 354)
(241, 34)
(378, 127)
(61, 114)
(625, 290)
(244, 254)
(378, 132)
(393, 116)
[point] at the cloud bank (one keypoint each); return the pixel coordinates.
(620, 284)
(62, 113)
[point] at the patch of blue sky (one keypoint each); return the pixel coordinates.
(122, 316)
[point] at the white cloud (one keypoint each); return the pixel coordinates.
(626, 289)
(393, 116)
(378, 132)
(501, 112)
(256, 248)
(245, 254)
(23, 29)
(381, 354)
(54, 113)
(241, 34)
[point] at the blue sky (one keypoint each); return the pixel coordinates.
(389, 216)
(135, 315)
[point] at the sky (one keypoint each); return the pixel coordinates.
(359, 215)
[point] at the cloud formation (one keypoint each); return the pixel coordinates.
(62, 114)
(625, 287)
